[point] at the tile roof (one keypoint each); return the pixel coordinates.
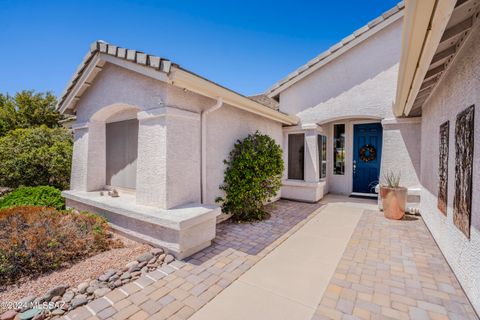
(141, 58)
(135, 56)
(324, 55)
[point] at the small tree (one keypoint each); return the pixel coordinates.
(253, 176)
(27, 109)
(35, 157)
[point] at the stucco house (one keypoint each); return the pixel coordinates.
(377, 101)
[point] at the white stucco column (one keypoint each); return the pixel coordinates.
(88, 160)
(168, 163)
(78, 179)
(96, 173)
(311, 152)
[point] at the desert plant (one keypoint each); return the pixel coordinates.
(44, 196)
(34, 240)
(36, 156)
(391, 179)
(253, 175)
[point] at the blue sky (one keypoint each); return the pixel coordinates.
(244, 45)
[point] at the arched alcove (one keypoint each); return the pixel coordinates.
(113, 145)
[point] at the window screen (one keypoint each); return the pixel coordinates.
(322, 156)
(121, 149)
(296, 150)
(339, 149)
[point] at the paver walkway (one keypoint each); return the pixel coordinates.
(393, 270)
(177, 290)
(389, 270)
(289, 282)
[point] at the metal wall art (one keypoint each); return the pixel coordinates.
(443, 168)
(462, 202)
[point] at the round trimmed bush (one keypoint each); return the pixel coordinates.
(252, 177)
(35, 157)
(44, 196)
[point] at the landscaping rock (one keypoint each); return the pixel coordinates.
(153, 260)
(145, 257)
(125, 276)
(25, 303)
(29, 314)
(68, 296)
(91, 289)
(40, 316)
(134, 268)
(9, 315)
(56, 298)
(131, 264)
(107, 275)
(156, 251)
(136, 273)
(78, 301)
(82, 287)
(114, 278)
(101, 292)
(118, 283)
(58, 312)
(169, 258)
(57, 291)
(161, 258)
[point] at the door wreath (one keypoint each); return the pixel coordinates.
(368, 153)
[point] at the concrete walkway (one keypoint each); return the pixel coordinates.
(290, 281)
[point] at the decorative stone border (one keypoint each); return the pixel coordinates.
(58, 300)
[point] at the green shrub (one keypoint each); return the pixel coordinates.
(36, 156)
(34, 240)
(44, 196)
(253, 176)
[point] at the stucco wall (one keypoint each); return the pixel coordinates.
(169, 139)
(459, 89)
(401, 150)
(361, 82)
(116, 85)
(224, 127)
(359, 87)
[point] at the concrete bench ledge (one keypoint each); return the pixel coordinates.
(182, 230)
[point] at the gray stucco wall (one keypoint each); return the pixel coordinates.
(459, 89)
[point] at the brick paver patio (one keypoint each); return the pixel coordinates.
(177, 290)
(393, 270)
(389, 270)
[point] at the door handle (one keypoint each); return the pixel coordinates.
(354, 167)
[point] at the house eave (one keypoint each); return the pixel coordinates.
(433, 33)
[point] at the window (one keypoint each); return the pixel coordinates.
(339, 149)
(322, 156)
(296, 149)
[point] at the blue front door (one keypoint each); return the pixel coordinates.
(367, 151)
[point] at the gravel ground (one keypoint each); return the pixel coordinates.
(89, 268)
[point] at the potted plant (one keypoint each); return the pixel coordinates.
(394, 197)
